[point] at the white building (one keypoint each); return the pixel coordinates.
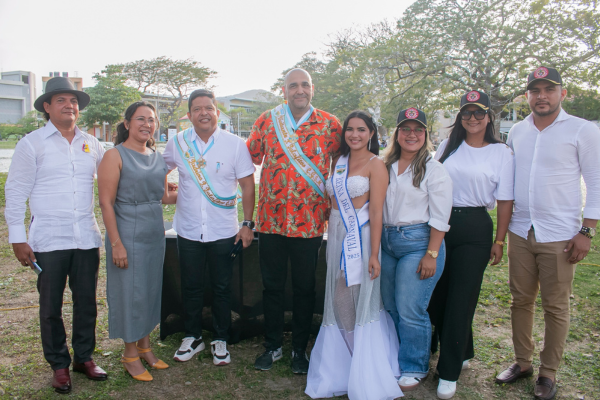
(17, 94)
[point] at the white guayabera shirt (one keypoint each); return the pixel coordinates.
(227, 161)
(549, 167)
(58, 179)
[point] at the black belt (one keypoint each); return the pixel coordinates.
(463, 210)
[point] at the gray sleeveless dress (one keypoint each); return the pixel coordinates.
(134, 294)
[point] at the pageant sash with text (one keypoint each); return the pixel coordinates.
(195, 164)
(285, 127)
(351, 259)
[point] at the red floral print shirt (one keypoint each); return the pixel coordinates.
(287, 204)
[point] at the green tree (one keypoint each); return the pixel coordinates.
(583, 103)
(28, 123)
(109, 99)
(164, 76)
(487, 45)
(440, 49)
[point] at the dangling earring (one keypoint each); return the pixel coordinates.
(369, 145)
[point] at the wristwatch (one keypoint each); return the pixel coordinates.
(249, 224)
(588, 232)
(432, 253)
(499, 242)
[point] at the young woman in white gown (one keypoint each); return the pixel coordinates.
(356, 350)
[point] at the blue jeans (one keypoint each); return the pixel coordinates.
(405, 296)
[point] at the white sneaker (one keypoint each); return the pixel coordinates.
(189, 347)
(408, 383)
(218, 349)
(465, 364)
(446, 389)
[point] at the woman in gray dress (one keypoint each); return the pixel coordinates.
(131, 187)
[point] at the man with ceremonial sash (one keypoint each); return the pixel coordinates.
(211, 162)
(295, 143)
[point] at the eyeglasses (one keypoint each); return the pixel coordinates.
(418, 131)
(144, 121)
(479, 114)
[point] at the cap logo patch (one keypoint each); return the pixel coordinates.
(541, 72)
(473, 96)
(411, 113)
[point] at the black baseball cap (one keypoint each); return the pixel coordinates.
(412, 114)
(545, 74)
(477, 98)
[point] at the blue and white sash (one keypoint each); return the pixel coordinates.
(195, 164)
(351, 259)
(285, 127)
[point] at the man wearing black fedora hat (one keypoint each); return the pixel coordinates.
(54, 168)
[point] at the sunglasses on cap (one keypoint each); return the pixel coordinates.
(479, 114)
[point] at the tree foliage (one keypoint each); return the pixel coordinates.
(164, 76)
(440, 49)
(583, 103)
(488, 45)
(109, 99)
(27, 124)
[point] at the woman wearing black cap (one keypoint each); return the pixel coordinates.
(415, 218)
(482, 172)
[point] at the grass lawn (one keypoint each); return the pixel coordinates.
(24, 374)
(8, 144)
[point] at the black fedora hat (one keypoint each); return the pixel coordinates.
(60, 85)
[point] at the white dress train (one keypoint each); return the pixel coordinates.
(356, 351)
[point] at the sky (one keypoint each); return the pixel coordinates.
(248, 43)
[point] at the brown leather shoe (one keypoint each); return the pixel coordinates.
(91, 370)
(545, 388)
(513, 373)
(62, 381)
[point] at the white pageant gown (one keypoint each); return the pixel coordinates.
(356, 351)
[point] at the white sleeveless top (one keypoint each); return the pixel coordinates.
(357, 186)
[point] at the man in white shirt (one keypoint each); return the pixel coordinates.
(546, 237)
(211, 162)
(54, 168)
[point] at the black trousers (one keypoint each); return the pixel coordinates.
(453, 303)
(81, 267)
(194, 256)
(274, 251)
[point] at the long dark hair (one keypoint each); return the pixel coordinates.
(418, 164)
(123, 132)
(459, 134)
(365, 116)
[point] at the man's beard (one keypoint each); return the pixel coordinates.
(546, 113)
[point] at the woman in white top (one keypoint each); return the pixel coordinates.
(482, 170)
(415, 219)
(352, 353)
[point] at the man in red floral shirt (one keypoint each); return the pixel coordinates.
(295, 143)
